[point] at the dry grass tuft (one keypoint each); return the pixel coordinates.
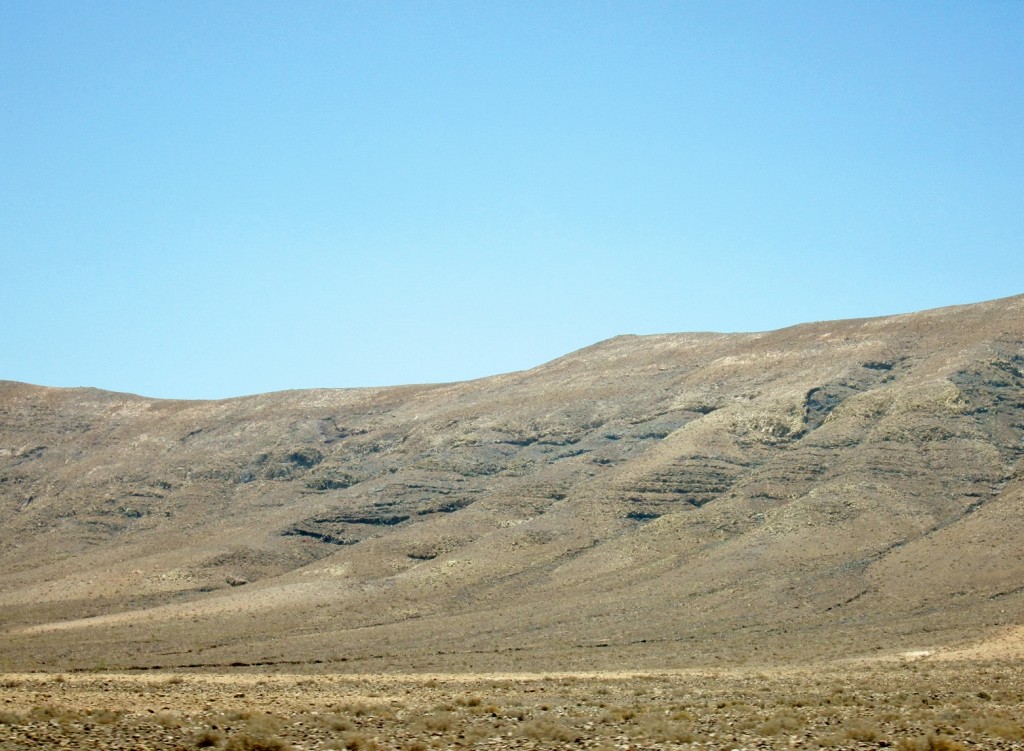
(103, 716)
(548, 729)
(663, 730)
(862, 731)
(208, 738)
(930, 742)
(10, 718)
(354, 741)
(779, 724)
(168, 720)
(337, 722)
(248, 742)
(438, 722)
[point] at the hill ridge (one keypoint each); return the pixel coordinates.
(675, 497)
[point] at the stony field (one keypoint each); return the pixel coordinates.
(908, 704)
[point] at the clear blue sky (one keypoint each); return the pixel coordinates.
(211, 199)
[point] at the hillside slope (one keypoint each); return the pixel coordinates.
(828, 489)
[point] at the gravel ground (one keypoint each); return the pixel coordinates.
(913, 705)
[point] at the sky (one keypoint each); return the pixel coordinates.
(203, 200)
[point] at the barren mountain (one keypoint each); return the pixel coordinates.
(828, 489)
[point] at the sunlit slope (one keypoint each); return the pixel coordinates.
(832, 488)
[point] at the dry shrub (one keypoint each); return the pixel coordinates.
(998, 723)
(260, 723)
(547, 729)
(167, 720)
(10, 718)
(263, 723)
(859, 730)
(437, 722)
(831, 740)
(337, 722)
(1004, 728)
(930, 742)
(103, 716)
(249, 742)
(208, 738)
(782, 722)
(616, 715)
(659, 729)
(476, 733)
(49, 712)
(353, 741)
(362, 709)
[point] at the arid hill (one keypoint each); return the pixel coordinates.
(830, 489)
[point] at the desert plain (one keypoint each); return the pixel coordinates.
(913, 702)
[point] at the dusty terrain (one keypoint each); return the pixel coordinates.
(663, 502)
(914, 703)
